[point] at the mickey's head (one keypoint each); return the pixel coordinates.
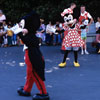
(31, 22)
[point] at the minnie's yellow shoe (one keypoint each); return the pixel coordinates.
(62, 65)
(76, 64)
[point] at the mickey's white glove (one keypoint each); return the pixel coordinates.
(16, 29)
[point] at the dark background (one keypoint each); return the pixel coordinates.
(47, 9)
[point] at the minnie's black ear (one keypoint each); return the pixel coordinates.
(66, 15)
(76, 13)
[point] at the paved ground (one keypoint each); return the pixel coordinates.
(69, 83)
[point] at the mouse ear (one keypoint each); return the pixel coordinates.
(76, 13)
(66, 14)
(32, 21)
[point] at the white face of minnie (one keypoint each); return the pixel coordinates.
(68, 19)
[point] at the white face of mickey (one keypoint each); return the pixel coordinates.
(22, 23)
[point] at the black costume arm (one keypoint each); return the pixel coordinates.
(29, 40)
(60, 31)
(98, 31)
(83, 27)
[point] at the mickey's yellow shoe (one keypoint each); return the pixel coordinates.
(99, 51)
(76, 64)
(62, 65)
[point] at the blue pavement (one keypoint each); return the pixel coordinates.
(68, 83)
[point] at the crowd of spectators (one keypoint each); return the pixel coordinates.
(44, 33)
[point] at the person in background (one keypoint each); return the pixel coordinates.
(2, 35)
(2, 16)
(9, 34)
(85, 16)
(57, 35)
(5, 24)
(98, 34)
(44, 28)
(14, 39)
(40, 32)
(69, 10)
(5, 36)
(49, 33)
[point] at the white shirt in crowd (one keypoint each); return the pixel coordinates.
(50, 28)
(3, 17)
(97, 25)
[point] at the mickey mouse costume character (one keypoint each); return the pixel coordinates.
(72, 39)
(26, 30)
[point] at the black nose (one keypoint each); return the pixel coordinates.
(67, 20)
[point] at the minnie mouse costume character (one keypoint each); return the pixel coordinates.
(72, 39)
(26, 30)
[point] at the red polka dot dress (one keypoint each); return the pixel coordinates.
(72, 38)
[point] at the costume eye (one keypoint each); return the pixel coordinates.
(70, 17)
(22, 23)
(65, 18)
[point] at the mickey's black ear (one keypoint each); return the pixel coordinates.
(32, 21)
(1, 24)
(61, 20)
(58, 18)
(76, 13)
